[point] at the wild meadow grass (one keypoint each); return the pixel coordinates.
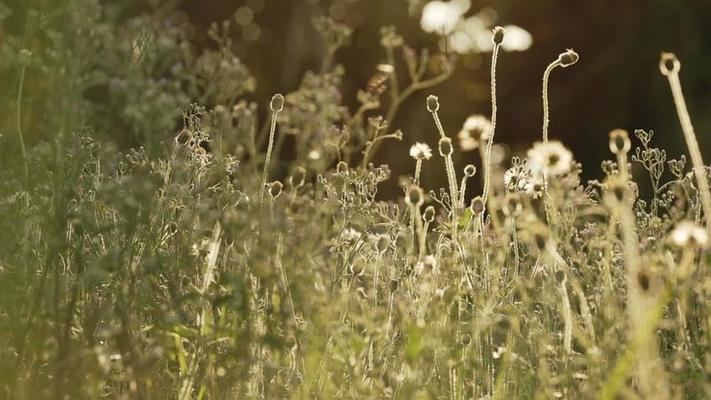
(210, 265)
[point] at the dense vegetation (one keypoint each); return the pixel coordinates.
(241, 250)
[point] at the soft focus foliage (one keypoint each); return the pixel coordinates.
(160, 271)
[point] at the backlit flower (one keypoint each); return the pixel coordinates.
(550, 158)
(475, 131)
(420, 151)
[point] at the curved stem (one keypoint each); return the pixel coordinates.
(272, 130)
(546, 78)
(492, 130)
(696, 159)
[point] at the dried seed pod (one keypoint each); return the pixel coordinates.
(342, 168)
(298, 177)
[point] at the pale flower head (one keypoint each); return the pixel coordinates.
(688, 233)
(442, 17)
(550, 158)
(420, 151)
(475, 131)
(517, 39)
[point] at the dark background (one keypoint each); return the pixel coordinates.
(617, 82)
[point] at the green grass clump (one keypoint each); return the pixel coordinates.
(202, 264)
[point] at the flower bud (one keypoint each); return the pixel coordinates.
(275, 189)
(469, 171)
(445, 147)
(429, 214)
(619, 141)
(432, 103)
(382, 243)
(498, 35)
(415, 196)
(342, 168)
(568, 58)
(477, 205)
(277, 103)
(669, 64)
(298, 176)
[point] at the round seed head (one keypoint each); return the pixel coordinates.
(469, 171)
(432, 103)
(445, 146)
(277, 103)
(498, 35)
(342, 168)
(620, 141)
(275, 189)
(477, 205)
(429, 214)
(415, 196)
(382, 243)
(298, 176)
(669, 64)
(568, 58)
(513, 205)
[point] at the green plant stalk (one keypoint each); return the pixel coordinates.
(20, 133)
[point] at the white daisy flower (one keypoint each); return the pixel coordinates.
(550, 158)
(688, 233)
(420, 151)
(517, 178)
(442, 17)
(475, 131)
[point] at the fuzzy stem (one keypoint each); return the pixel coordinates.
(418, 171)
(492, 130)
(546, 78)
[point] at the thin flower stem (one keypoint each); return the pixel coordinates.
(697, 161)
(20, 133)
(492, 130)
(546, 78)
(276, 105)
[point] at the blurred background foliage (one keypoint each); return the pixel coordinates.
(616, 83)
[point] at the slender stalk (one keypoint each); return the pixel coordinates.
(20, 133)
(276, 105)
(497, 39)
(418, 171)
(670, 66)
(565, 59)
